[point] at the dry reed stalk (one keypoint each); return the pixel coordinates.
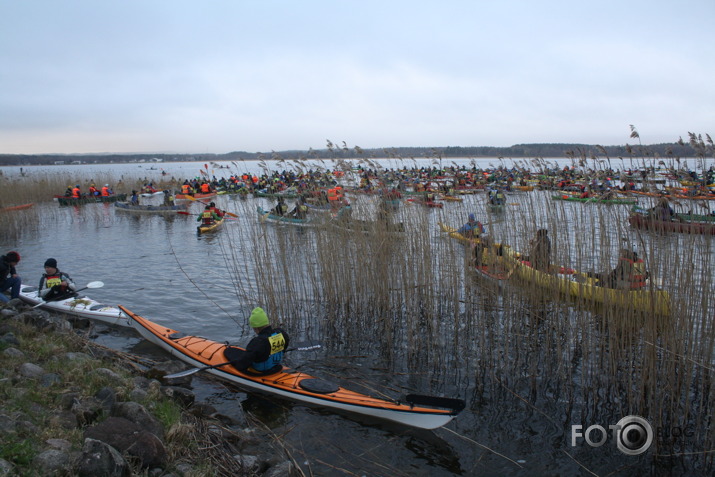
(409, 299)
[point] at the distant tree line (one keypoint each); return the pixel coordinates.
(526, 151)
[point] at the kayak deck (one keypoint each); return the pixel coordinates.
(201, 352)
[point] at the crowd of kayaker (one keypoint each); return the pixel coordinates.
(583, 182)
(76, 191)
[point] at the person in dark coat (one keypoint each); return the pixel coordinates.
(9, 279)
(265, 351)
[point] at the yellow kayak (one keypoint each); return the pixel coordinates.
(202, 229)
(577, 285)
(452, 232)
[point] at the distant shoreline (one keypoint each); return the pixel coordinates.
(668, 151)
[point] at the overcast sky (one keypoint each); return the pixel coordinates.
(237, 75)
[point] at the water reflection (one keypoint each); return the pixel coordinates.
(273, 414)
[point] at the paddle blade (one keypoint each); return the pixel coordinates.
(191, 371)
(96, 284)
(183, 212)
(188, 372)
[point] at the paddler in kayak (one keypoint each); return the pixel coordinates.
(54, 284)
(281, 207)
(472, 229)
(134, 199)
(300, 211)
(540, 251)
(264, 352)
(208, 216)
(628, 274)
(169, 198)
(216, 210)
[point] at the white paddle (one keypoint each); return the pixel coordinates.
(96, 284)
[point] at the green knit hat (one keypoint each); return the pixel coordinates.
(258, 319)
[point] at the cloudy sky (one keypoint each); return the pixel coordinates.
(248, 75)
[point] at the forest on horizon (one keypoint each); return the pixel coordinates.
(333, 151)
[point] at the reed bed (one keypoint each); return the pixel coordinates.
(41, 186)
(409, 301)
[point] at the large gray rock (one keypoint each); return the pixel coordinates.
(280, 470)
(49, 379)
(7, 424)
(149, 450)
(30, 370)
(107, 396)
(101, 459)
(5, 468)
(51, 462)
(108, 373)
(68, 399)
(59, 444)
(74, 356)
(179, 395)
(118, 432)
(63, 419)
(202, 410)
(160, 370)
(130, 439)
(9, 338)
(44, 321)
(13, 353)
(87, 410)
(138, 414)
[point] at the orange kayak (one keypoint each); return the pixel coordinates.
(16, 207)
(426, 412)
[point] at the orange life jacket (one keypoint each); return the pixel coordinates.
(205, 188)
(186, 189)
(76, 193)
(105, 191)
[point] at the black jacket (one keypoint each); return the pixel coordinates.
(259, 348)
(5, 268)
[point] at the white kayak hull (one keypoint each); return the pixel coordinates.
(81, 306)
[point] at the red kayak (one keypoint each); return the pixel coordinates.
(16, 207)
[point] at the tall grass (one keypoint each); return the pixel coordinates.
(410, 300)
(39, 188)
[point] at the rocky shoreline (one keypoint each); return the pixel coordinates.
(71, 407)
